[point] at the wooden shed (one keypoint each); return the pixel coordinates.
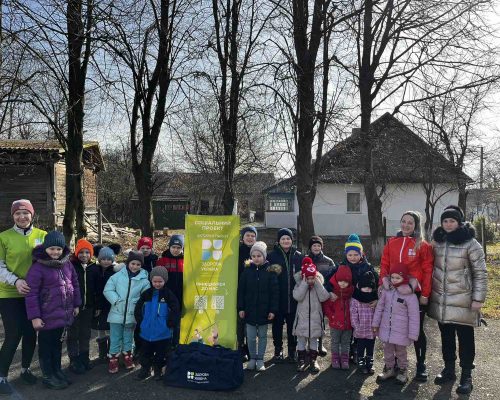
(36, 170)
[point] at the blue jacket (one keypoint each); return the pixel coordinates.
(123, 291)
(157, 312)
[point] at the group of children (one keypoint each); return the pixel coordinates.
(134, 305)
(357, 309)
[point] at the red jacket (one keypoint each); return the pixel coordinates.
(175, 267)
(338, 312)
(401, 249)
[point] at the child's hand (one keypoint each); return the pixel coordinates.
(242, 314)
(76, 311)
(333, 296)
(97, 313)
(37, 324)
(270, 316)
(375, 331)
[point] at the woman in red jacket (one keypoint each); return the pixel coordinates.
(410, 248)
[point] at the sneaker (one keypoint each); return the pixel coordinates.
(62, 377)
(5, 387)
(76, 366)
(421, 375)
(291, 358)
(251, 364)
(28, 378)
(278, 357)
(260, 365)
(157, 372)
(128, 360)
(386, 374)
(51, 382)
(402, 376)
(113, 365)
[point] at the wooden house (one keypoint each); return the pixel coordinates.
(36, 170)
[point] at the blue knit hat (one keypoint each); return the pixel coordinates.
(106, 253)
(284, 232)
(176, 240)
(246, 229)
(353, 243)
(54, 239)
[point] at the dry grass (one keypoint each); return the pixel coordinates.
(492, 306)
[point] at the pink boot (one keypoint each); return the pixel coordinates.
(344, 361)
(335, 360)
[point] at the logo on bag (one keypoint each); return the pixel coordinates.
(198, 377)
(211, 249)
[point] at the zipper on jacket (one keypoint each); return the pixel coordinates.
(445, 279)
(84, 299)
(287, 263)
(401, 251)
(309, 292)
(126, 301)
(390, 314)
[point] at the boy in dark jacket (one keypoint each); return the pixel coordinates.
(172, 260)
(89, 280)
(156, 313)
(290, 259)
(257, 303)
(145, 246)
(247, 240)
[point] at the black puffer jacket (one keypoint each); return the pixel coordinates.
(243, 255)
(357, 270)
(258, 293)
(290, 263)
(90, 282)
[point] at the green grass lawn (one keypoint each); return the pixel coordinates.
(492, 307)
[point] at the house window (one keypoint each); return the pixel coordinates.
(353, 202)
(281, 203)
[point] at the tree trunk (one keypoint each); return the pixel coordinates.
(462, 196)
(144, 185)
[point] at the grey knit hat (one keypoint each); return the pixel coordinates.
(261, 247)
(106, 253)
(135, 255)
(159, 271)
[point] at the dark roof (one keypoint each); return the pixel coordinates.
(91, 150)
(399, 156)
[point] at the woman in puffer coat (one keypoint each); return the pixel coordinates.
(309, 323)
(459, 286)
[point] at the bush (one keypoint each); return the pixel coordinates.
(489, 229)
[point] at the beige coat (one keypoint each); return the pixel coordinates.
(459, 278)
(309, 319)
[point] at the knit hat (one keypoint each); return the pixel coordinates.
(106, 253)
(135, 255)
(116, 247)
(308, 267)
(159, 271)
(454, 212)
(97, 247)
(54, 239)
(22, 204)
(284, 232)
(176, 240)
(367, 280)
(84, 244)
(261, 247)
(343, 274)
(145, 241)
(353, 243)
(246, 229)
(315, 239)
(402, 270)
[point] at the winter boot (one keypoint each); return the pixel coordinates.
(402, 376)
(128, 360)
(113, 364)
(421, 375)
(103, 346)
(335, 360)
(51, 382)
(301, 360)
(344, 361)
(85, 361)
(368, 367)
(313, 361)
(386, 374)
(322, 352)
(76, 366)
(59, 374)
(465, 386)
(447, 374)
(157, 372)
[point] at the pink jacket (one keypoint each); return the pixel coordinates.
(361, 319)
(397, 317)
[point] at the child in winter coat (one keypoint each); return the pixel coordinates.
(89, 280)
(397, 323)
(123, 291)
(172, 260)
(258, 303)
(309, 320)
(52, 304)
(106, 265)
(365, 293)
(338, 313)
(145, 246)
(156, 313)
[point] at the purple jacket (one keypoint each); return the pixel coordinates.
(397, 317)
(361, 319)
(54, 290)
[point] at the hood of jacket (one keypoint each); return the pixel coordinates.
(41, 256)
(460, 235)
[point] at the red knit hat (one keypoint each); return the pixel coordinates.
(402, 270)
(344, 274)
(145, 241)
(84, 244)
(22, 204)
(308, 268)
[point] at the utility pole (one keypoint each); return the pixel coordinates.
(481, 169)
